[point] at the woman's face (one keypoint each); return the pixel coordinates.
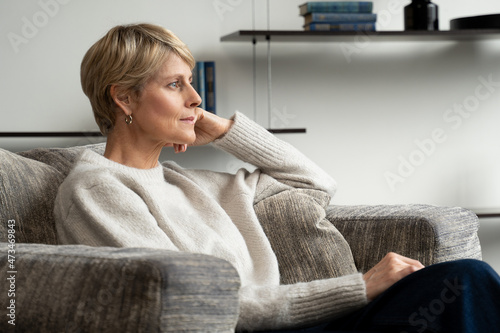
(165, 112)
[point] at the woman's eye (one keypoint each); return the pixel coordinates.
(174, 84)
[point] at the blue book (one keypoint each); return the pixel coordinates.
(354, 26)
(200, 69)
(194, 81)
(210, 86)
(336, 7)
(339, 17)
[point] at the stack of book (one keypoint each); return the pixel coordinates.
(338, 16)
(204, 83)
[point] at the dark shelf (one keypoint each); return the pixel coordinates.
(486, 212)
(98, 134)
(348, 36)
(48, 134)
(488, 215)
(286, 130)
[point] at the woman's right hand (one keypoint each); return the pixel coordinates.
(209, 127)
(392, 268)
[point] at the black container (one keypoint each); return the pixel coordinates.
(421, 15)
(491, 21)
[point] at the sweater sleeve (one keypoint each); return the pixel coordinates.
(301, 304)
(281, 161)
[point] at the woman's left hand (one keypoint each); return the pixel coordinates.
(392, 268)
(208, 127)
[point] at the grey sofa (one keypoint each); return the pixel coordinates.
(74, 288)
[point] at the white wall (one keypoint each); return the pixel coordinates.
(364, 114)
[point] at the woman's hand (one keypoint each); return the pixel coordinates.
(388, 271)
(208, 127)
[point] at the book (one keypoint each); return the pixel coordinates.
(204, 83)
(194, 81)
(339, 17)
(200, 70)
(210, 86)
(336, 7)
(353, 26)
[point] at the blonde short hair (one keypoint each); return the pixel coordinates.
(127, 56)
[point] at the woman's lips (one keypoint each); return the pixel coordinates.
(189, 120)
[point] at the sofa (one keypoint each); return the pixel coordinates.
(76, 288)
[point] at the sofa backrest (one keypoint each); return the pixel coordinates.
(28, 187)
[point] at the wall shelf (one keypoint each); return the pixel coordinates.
(486, 212)
(49, 134)
(98, 134)
(348, 36)
(286, 130)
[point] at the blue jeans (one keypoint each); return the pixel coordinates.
(458, 296)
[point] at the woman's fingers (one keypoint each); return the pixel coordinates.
(392, 268)
(180, 148)
(410, 261)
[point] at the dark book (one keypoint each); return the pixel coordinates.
(200, 82)
(354, 26)
(336, 7)
(210, 86)
(339, 17)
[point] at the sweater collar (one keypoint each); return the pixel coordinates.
(91, 157)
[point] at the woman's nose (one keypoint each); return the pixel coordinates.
(195, 98)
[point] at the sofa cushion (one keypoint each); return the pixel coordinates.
(61, 159)
(28, 186)
(307, 245)
(26, 191)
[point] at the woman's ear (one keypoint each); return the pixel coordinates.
(122, 99)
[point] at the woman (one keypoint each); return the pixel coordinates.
(138, 80)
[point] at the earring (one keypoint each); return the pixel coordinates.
(128, 119)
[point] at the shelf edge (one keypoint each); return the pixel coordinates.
(311, 36)
(286, 130)
(98, 134)
(48, 134)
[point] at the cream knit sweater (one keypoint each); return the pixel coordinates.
(103, 203)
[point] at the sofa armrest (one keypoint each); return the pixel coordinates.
(76, 288)
(427, 233)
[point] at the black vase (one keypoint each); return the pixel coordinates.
(421, 15)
